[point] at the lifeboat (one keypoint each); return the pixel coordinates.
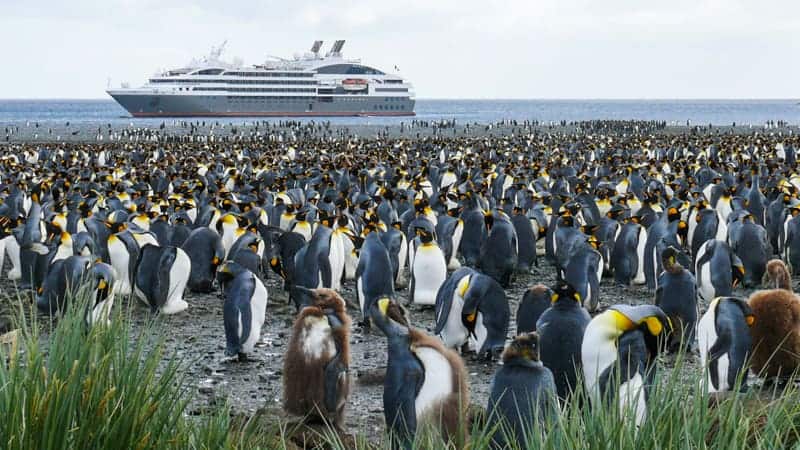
(354, 84)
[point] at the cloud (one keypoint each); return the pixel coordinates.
(447, 48)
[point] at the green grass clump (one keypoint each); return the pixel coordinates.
(102, 388)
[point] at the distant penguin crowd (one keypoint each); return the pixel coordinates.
(452, 222)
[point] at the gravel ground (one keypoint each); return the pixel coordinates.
(196, 337)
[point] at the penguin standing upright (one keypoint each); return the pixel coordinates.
(522, 396)
(161, 274)
(312, 263)
(499, 253)
(526, 240)
(583, 271)
(724, 341)
(472, 308)
(717, 269)
(316, 378)
(776, 329)
(425, 382)
(428, 269)
(750, 243)
(244, 309)
(397, 245)
(620, 345)
(534, 302)
(676, 295)
(560, 329)
(627, 257)
(123, 251)
(374, 278)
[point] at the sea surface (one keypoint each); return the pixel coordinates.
(674, 112)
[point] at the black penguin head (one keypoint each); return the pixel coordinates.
(424, 235)
(738, 271)
(649, 319)
(669, 259)
(524, 346)
(228, 271)
(564, 291)
(102, 280)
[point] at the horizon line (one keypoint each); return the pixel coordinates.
(3, 99)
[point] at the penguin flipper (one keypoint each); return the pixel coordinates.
(718, 350)
(335, 382)
(325, 272)
(162, 280)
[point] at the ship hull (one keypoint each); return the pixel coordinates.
(162, 105)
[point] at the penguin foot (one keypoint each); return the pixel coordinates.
(174, 307)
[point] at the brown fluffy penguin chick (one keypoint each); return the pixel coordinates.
(444, 410)
(316, 378)
(776, 331)
(777, 275)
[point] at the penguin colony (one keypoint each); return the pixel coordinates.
(451, 223)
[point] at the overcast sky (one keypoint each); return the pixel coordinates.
(447, 48)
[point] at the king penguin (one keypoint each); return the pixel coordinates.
(522, 396)
(534, 302)
(244, 309)
(374, 277)
(316, 376)
(723, 336)
(204, 248)
(472, 308)
(625, 339)
(425, 383)
(717, 270)
(676, 295)
(161, 274)
(560, 329)
(428, 268)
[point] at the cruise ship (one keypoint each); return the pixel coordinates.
(313, 84)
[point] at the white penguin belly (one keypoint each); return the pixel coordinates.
(316, 338)
(102, 310)
(430, 272)
(178, 277)
(336, 258)
(481, 333)
(455, 334)
(597, 353)
(258, 311)
(640, 278)
(401, 281)
(704, 286)
(12, 248)
(3, 250)
(454, 264)
(120, 260)
(632, 398)
(706, 337)
(438, 382)
(350, 260)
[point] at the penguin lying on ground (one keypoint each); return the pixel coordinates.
(724, 341)
(472, 308)
(776, 330)
(161, 277)
(620, 345)
(676, 295)
(534, 302)
(560, 329)
(425, 384)
(316, 377)
(522, 396)
(244, 309)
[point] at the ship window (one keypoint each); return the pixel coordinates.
(209, 72)
(349, 69)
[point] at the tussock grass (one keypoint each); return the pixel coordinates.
(110, 388)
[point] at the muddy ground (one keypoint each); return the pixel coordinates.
(196, 336)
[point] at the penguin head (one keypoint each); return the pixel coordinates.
(564, 291)
(102, 280)
(228, 271)
(649, 319)
(323, 298)
(390, 318)
(424, 234)
(669, 259)
(524, 346)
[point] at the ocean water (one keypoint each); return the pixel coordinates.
(717, 112)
